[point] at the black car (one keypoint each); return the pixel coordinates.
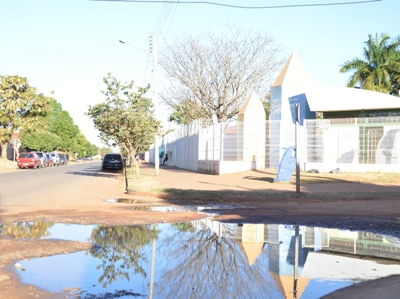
(63, 159)
(112, 162)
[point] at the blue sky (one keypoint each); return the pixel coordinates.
(68, 46)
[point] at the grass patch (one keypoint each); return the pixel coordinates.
(343, 177)
(145, 183)
(346, 177)
(148, 183)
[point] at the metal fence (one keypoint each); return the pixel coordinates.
(353, 140)
(221, 142)
(350, 140)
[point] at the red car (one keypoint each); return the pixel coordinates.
(26, 160)
(49, 160)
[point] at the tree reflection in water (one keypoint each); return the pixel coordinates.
(119, 250)
(205, 265)
(25, 230)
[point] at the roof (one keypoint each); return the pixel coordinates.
(333, 98)
(285, 285)
(253, 105)
(252, 250)
(293, 73)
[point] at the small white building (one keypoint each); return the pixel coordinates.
(294, 86)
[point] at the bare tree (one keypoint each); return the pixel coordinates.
(218, 72)
(206, 265)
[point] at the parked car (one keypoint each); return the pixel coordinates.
(28, 160)
(42, 157)
(56, 159)
(63, 159)
(49, 160)
(112, 162)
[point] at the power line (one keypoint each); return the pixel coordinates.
(162, 17)
(244, 7)
(169, 26)
(55, 51)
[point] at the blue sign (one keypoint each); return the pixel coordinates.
(305, 112)
(287, 165)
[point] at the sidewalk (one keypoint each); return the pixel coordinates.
(252, 181)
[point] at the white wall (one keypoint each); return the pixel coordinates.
(352, 167)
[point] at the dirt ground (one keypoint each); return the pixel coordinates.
(338, 204)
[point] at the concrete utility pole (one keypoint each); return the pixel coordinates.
(156, 151)
(296, 262)
(297, 149)
(154, 50)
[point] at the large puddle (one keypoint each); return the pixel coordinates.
(206, 259)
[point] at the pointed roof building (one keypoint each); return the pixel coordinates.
(293, 73)
(253, 105)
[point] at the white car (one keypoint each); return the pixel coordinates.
(43, 159)
(55, 158)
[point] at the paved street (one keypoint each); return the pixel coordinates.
(74, 185)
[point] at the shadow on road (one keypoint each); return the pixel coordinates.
(96, 171)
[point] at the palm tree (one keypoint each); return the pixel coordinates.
(395, 80)
(380, 71)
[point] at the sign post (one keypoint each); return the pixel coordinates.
(297, 149)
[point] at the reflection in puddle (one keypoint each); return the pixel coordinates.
(47, 230)
(209, 259)
(126, 200)
(209, 209)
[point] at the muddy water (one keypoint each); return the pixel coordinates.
(206, 259)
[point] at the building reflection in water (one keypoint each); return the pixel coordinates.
(209, 259)
(322, 253)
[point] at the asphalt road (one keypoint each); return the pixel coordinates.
(55, 187)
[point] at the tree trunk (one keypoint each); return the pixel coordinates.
(137, 168)
(132, 156)
(4, 151)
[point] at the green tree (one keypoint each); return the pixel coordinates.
(57, 132)
(62, 124)
(126, 118)
(105, 150)
(217, 73)
(22, 108)
(91, 149)
(39, 140)
(395, 80)
(187, 111)
(79, 145)
(380, 69)
(120, 251)
(31, 230)
(267, 104)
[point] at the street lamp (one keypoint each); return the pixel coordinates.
(127, 43)
(156, 153)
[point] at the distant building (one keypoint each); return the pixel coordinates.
(295, 86)
(348, 128)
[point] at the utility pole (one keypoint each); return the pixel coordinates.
(154, 50)
(156, 151)
(297, 133)
(296, 262)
